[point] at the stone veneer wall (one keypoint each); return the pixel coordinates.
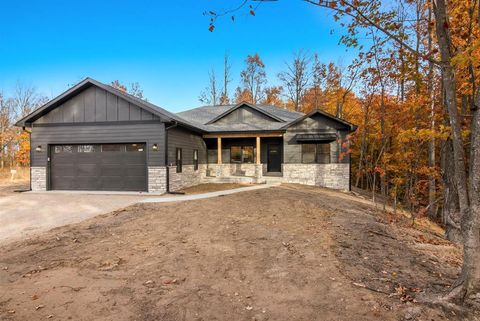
(188, 176)
(157, 179)
(336, 176)
(39, 178)
(219, 170)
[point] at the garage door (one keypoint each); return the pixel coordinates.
(98, 167)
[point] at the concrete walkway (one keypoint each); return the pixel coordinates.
(181, 198)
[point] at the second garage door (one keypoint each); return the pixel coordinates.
(99, 167)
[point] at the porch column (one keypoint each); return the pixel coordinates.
(219, 150)
(258, 150)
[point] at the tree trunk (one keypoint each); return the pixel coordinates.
(467, 285)
(470, 276)
(450, 209)
(449, 85)
(432, 209)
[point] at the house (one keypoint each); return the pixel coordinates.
(95, 137)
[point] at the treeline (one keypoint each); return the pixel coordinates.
(305, 84)
(14, 142)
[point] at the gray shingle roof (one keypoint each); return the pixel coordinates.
(201, 116)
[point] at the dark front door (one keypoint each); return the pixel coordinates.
(274, 158)
(98, 167)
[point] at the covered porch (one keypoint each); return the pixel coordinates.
(244, 156)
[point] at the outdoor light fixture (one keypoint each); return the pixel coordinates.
(39, 148)
(155, 147)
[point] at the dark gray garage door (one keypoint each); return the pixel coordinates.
(98, 167)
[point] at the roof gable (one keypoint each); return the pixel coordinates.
(244, 105)
(320, 113)
(140, 109)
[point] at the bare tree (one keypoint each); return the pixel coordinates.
(24, 100)
(319, 75)
(254, 77)
(209, 96)
(224, 98)
(296, 78)
(134, 89)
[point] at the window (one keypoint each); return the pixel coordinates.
(212, 156)
(87, 148)
(178, 160)
(323, 153)
(135, 147)
(316, 153)
(113, 148)
(242, 154)
(195, 159)
(308, 153)
(247, 155)
(236, 154)
(64, 149)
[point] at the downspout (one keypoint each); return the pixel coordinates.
(349, 173)
(31, 158)
(167, 128)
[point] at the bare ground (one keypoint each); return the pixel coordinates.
(212, 187)
(8, 188)
(284, 253)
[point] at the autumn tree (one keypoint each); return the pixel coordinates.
(253, 79)
(273, 96)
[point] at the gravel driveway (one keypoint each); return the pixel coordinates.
(24, 214)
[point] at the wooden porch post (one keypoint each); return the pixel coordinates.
(258, 150)
(219, 150)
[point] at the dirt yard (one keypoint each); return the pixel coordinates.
(211, 187)
(8, 188)
(284, 253)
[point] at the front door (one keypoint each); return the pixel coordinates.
(274, 158)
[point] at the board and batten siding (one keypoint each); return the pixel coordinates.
(292, 150)
(246, 115)
(95, 104)
(187, 141)
(149, 133)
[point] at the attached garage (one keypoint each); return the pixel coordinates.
(94, 137)
(98, 167)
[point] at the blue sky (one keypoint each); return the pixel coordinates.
(163, 45)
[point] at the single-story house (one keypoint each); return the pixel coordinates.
(95, 137)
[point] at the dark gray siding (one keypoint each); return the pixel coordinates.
(187, 141)
(148, 132)
(95, 105)
(246, 115)
(292, 150)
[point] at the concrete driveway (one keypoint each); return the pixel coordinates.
(24, 214)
